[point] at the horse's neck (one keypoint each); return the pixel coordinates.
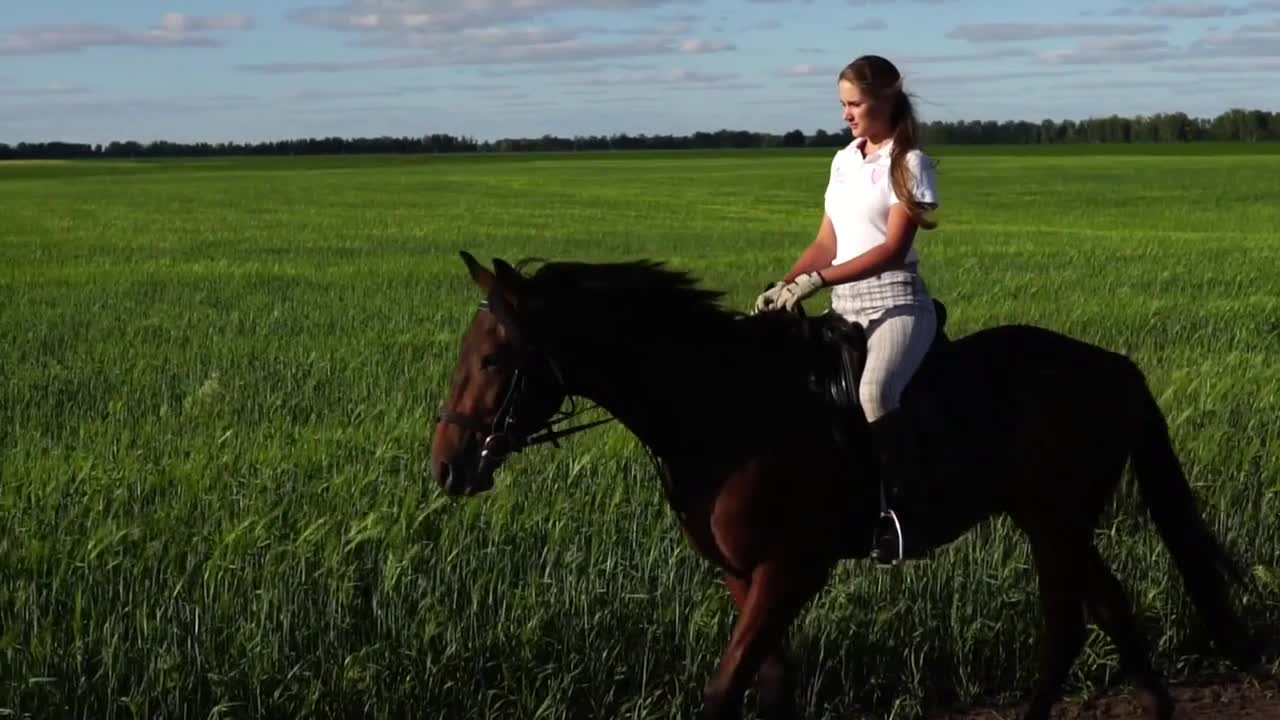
(678, 399)
(643, 400)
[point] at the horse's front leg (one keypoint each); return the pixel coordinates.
(775, 681)
(775, 593)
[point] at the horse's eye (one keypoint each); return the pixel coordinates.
(489, 361)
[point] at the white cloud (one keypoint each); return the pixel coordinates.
(180, 23)
(1235, 44)
(698, 46)
(673, 27)
(985, 78)
(642, 99)
(390, 16)
(452, 53)
(1117, 50)
(979, 55)
(674, 76)
(1269, 66)
(482, 37)
(1192, 10)
(685, 18)
(70, 38)
(91, 108)
(480, 87)
(325, 96)
(1195, 8)
(174, 30)
(869, 24)
(803, 70)
(490, 32)
(1251, 42)
(564, 69)
(1018, 32)
(55, 88)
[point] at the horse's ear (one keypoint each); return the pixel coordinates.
(509, 279)
(479, 273)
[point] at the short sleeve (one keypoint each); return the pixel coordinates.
(831, 176)
(924, 182)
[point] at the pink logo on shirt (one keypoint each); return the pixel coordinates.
(877, 174)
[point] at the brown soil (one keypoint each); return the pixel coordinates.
(1237, 700)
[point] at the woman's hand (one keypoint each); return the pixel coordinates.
(794, 292)
(768, 299)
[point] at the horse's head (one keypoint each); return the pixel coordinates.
(503, 388)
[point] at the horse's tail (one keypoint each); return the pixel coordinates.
(1207, 570)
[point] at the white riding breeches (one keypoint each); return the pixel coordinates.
(897, 341)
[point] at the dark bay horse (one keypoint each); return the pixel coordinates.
(1019, 421)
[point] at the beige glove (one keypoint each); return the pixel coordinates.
(769, 298)
(797, 290)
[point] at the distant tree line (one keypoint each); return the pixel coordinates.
(1236, 125)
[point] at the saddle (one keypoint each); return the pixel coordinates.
(840, 350)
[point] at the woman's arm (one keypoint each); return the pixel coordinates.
(900, 231)
(819, 254)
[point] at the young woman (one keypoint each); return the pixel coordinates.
(880, 190)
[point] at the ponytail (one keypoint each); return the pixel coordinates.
(904, 140)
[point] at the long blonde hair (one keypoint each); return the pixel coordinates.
(878, 78)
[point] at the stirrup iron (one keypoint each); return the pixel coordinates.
(897, 531)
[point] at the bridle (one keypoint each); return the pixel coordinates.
(501, 435)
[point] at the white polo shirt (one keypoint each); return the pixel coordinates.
(860, 193)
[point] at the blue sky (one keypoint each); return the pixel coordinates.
(89, 71)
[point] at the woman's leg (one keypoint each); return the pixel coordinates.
(897, 342)
(896, 346)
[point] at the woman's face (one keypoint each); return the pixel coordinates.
(865, 116)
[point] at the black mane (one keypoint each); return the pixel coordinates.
(645, 301)
(625, 281)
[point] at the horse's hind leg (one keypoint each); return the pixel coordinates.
(1111, 611)
(1059, 565)
(775, 681)
(777, 591)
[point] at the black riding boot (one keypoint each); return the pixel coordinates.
(899, 535)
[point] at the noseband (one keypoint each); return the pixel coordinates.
(500, 436)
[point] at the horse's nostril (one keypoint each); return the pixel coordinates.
(443, 472)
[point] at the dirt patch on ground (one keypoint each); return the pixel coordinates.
(1237, 700)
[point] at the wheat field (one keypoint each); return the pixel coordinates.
(218, 380)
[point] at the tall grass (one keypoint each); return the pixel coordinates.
(218, 380)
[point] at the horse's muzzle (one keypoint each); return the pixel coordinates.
(463, 479)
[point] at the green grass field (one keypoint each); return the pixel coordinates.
(218, 379)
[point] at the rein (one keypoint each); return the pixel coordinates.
(500, 435)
